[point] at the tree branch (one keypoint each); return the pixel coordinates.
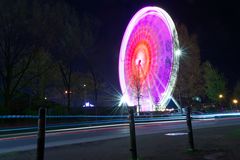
(22, 74)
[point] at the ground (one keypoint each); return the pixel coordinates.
(222, 143)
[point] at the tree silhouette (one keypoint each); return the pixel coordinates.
(17, 46)
(236, 91)
(215, 83)
(189, 83)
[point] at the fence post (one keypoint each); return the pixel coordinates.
(133, 148)
(41, 133)
(190, 130)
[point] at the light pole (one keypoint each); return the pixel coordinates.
(84, 90)
(220, 96)
(235, 102)
(68, 93)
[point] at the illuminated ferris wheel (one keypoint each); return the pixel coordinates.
(148, 60)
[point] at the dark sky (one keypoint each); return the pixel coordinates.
(214, 22)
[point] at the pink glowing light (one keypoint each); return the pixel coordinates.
(148, 58)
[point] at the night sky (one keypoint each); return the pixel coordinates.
(214, 22)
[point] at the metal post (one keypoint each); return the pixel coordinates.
(133, 148)
(41, 133)
(190, 131)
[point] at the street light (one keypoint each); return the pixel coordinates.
(220, 96)
(235, 101)
(84, 92)
(178, 52)
(122, 101)
(66, 92)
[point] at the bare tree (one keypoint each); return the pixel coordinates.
(17, 46)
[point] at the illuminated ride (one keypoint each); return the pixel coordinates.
(148, 60)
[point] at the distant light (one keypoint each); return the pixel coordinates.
(123, 100)
(235, 101)
(196, 98)
(169, 109)
(88, 104)
(66, 92)
(220, 96)
(84, 85)
(178, 52)
(45, 98)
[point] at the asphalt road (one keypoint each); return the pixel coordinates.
(97, 133)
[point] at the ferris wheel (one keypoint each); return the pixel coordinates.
(149, 59)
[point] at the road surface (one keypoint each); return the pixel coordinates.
(90, 134)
